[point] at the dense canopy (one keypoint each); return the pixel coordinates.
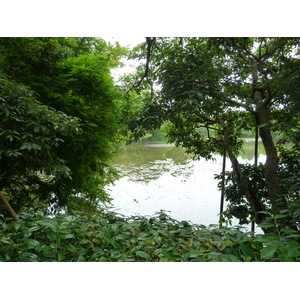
(59, 120)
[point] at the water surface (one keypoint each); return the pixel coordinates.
(159, 176)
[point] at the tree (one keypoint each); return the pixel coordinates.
(225, 85)
(70, 76)
(30, 133)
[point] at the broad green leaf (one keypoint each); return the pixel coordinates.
(121, 237)
(54, 245)
(115, 227)
(51, 235)
(290, 252)
(143, 255)
(230, 258)
(27, 256)
(288, 230)
(266, 225)
(268, 252)
(247, 250)
(246, 258)
(279, 216)
(285, 258)
(31, 243)
(81, 259)
(267, 238)
(70, 248)
(195, 254)
(264, 212)
(84, 242)
(48, 224)
(49, 253)
(66, 236)
(6, 240)
(61, 256)
(33, 228)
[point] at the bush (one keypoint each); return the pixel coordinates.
(107, 236)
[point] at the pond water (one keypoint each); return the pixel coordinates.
(158, 176)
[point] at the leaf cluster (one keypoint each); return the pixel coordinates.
(237, 205)
(30, 133)
(68, 80)
(109, 237)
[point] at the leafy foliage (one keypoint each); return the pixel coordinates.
(107, 236)
(70, 80)
(227, 86)
(238, 206)
(30, 133)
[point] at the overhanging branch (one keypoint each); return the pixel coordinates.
(150, 42)
(235, 103)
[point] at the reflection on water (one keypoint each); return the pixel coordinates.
(157, 176)
(148, 161)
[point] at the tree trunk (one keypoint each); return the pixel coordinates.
(271, 166)
(223, 185)
(243, 183)
(263, 122)
(8, 208)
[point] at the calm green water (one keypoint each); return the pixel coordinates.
(157, 176)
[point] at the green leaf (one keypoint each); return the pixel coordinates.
(267, 238)
(263, 125)
(31, 243)
(51, 235)
(290, 252)
(81, 259)
(247, 258)
(247, 250)
(284, 258)
(195, 254)
(143, 255)
(230, 258)
(120, 237)
(26, 256)
(70, 248)
(288, 230)
(61, 256)
(266, 225)
(264, 212)
(279, 216)
(268, 252)
(85, 242)
(66, 236)
(48, 224)
(49, 253)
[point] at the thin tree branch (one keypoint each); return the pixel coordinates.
(246, 107)
(150, 42)
(8, 208)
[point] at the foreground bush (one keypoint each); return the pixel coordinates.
(107, 236)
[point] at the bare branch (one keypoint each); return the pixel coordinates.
(8, 208)
(150, 42)
(235, 103)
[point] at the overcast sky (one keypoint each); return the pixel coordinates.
(127, 41)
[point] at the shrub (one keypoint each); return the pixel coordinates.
(109, 237)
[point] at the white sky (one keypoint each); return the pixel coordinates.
(127, 41)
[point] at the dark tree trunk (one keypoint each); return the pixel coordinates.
(244, 184)
(271, 166)
(223, 185)
(263, 122)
